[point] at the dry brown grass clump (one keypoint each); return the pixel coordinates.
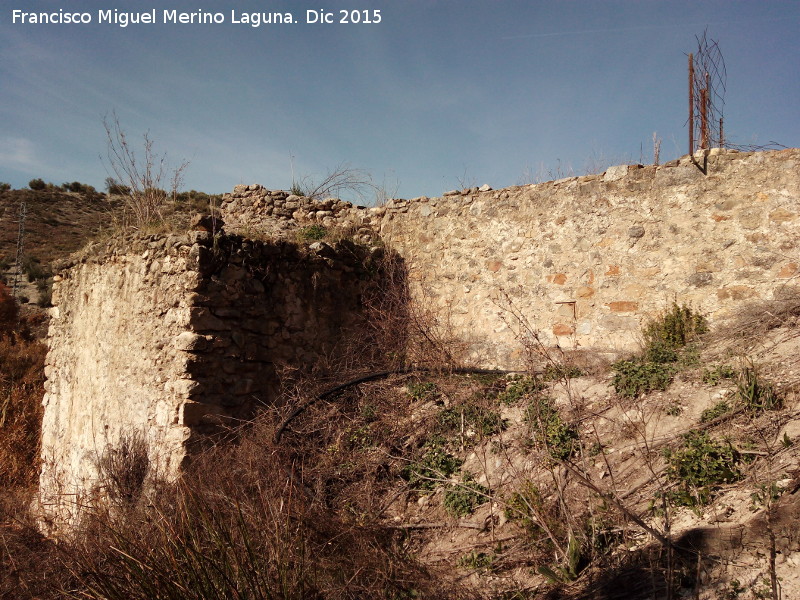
(21, 391)
(751, 322)
(244, 521)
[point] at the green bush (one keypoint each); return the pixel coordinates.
(719, 409)
(634, 377)
(559, 371)
(462, 500)
(664, 337)
(4, 187)
(668, 347)
(45, 289)
(37, 184)
(522, 387)
(699, 465)
(525, 504)
(296, 189)
(312, 233)
(78, 187)
(115, 188)
(33, 269)
(434, 465)
(560, 439)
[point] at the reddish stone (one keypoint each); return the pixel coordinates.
(788, 270)
(623, 306)
(561, 329)
(613, 270)
(559, 278)
(494, 265)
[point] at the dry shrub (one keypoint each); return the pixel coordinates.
(399, 331)
(21, 391)
(124, 467)
(31, 566)
(751, 322)
(244, 522)
(27, 568)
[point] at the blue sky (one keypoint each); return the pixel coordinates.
(439, 93)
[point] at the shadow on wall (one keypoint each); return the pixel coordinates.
(268, 315)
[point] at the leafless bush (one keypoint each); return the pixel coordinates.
(149, 179)
(342, 180)
(750, 323)
(250, 521)
(124, 467)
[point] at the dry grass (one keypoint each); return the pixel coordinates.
(21, 391)
(750, 323)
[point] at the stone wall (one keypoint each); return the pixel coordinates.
(171, 337)
(586, 260)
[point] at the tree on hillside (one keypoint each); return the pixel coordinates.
(37, 184)
(115, 188)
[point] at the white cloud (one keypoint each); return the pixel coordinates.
(19, 154)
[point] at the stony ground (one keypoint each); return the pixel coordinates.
(624, 440)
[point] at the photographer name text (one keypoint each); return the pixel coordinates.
(198, 17)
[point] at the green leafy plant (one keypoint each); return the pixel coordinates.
(4, 187)
(560, 439)
(476, 560)
(312, 233)
(561, 371)
(765, 494)
(755, 393)
(570, 570)
(524, 504)
(483, 421)
(462, 500)
(717, 373)
(427, 473)
(37, 184)
(520, 388)
(699, 465)
(719, 409)
(634, 377)
(668, 347)
(360, 437)
(665, 336)
(421, 390)
(734, 589)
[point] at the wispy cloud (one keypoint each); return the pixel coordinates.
(19, 154)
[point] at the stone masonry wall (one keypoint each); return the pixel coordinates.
(173, 336)
(170, 337)
(586, 260)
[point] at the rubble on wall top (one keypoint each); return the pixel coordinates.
(278, 212)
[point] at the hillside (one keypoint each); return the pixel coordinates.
(56, 224)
